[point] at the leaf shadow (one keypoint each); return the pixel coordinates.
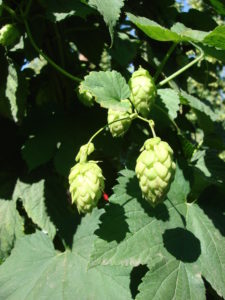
(182, 244)
(211, 202)
(113, 224)
(136, 276)
(65, 219)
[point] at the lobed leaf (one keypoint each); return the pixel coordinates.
(109, 88)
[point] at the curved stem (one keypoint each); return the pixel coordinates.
(163, 62)
(28, 8)
(143, 119)
(132, 116)
(161, 83)
(150, 123)
(10, 11)
(49, 60)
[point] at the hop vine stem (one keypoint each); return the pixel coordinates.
(48, 59)
(177, 73)
(162, 64)
(107, 125)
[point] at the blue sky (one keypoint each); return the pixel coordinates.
(185, 5)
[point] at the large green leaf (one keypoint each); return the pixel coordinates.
(165, 238)
(11, 226)
(108, 88)
(110, 10)
(34, 200)
(137, 223)
(170, 100)
(171, 280)
(212, 259)
(179, 32)
(153, 29)
(35, 270)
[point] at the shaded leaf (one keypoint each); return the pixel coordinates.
(209, 163)
(124, 49)
(60, 10)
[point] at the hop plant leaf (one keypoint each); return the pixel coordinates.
(155, 170)
(86, 185)
(143, 91)
(9, 34)
(85, 96)
(118, 129)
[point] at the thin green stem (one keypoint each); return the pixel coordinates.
(161, 83)
(10, 11)
(49, 60)
(27, 10)
(131, 116)
(143, 119)
(163, 62)
(150, 123)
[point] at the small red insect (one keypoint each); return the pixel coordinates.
(105, 196)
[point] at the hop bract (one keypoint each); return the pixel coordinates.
(119, 128)
(143, 91)
(84, 96)
(155, 170)
(86, 185)
(8, 35)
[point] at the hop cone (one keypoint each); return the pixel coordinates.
(143, 91)
(119, 128)
(84, 96)
(8, 35)
(155, 170)
(86, 185)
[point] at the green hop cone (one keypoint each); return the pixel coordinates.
(9, 35)
(84, 96)
(143, 91)
(86, 185)
(119, 128)
(155, 170)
